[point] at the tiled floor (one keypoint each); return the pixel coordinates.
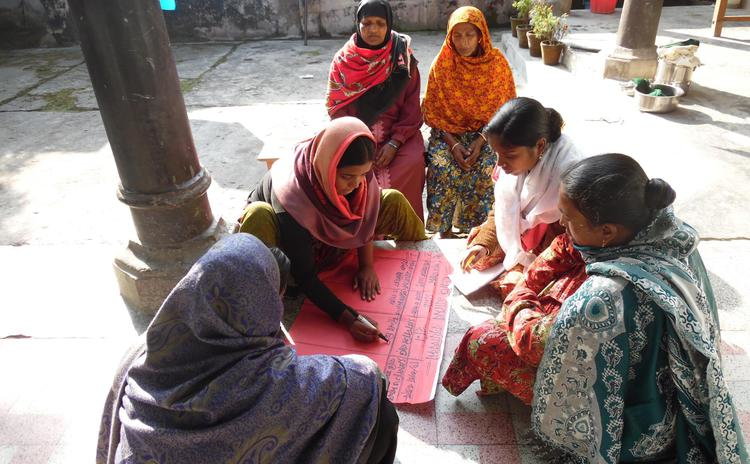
(492, 429)
(468, 428)
(51, 404)
(51, 397)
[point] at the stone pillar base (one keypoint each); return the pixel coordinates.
(146, 275)
(625, 64)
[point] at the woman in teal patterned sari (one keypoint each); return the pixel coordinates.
(631, 370)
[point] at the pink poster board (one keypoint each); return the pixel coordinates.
(411, 311)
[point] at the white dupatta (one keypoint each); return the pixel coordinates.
(522, 202)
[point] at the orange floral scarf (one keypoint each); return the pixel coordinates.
(463, 93)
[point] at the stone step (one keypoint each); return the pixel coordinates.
(579, 59)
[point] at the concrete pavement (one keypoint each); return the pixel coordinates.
(60, 223)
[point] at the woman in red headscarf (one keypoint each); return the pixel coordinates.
(324, 201)
(374, 77)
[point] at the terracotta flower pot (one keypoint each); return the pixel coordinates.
(551, 52)
(523, 39)
(515, 22)
(535, 45)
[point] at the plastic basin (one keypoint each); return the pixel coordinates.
(603, 6)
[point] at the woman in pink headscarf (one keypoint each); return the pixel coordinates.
(324, 201)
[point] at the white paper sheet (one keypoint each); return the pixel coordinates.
(469, 282)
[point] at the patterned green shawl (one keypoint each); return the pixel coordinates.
(632, 370)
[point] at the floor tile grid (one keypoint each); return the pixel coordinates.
(468, 428)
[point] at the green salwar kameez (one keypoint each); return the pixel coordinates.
(631, 371)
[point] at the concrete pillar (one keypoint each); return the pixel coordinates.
(135, 80)
(635, 54)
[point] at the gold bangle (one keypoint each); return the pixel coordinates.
(455, 145)
(481, 134)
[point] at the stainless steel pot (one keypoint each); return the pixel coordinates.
(663, 104)
(672, 74)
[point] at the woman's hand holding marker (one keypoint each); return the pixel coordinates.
(361, 327)
(472, 254)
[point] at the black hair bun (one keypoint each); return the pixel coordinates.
(659, 194)
(555, 124)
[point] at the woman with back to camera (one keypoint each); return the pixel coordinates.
(213, 382)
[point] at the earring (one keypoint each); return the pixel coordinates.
(542, 151)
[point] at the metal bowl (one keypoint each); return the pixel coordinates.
(664, 104)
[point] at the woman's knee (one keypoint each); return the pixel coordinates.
(259, 219)
(397, 218)
(392, 199)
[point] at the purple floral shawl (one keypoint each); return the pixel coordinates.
(214, 383)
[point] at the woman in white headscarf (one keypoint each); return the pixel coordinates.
(503, 353)
(531, 152)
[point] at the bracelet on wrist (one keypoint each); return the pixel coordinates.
(455, 145)
(393, 144)
(481, 134)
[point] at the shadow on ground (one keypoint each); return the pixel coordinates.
(728, 298)
(687, 116)
(26, 161)
(229, 152)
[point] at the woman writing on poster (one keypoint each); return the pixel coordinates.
(322, 203)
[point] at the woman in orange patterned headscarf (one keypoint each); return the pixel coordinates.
(469, 81)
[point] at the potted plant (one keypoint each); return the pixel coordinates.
(522, 16)
(523, 38)
(538, 14)
(552, 46)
